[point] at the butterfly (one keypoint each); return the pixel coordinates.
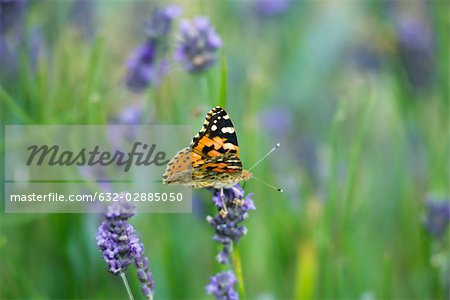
(212, 159)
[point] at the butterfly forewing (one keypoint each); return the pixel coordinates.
(217, 135)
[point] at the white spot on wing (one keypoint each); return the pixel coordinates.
(228, 130)
(214, 128)
(228, 146)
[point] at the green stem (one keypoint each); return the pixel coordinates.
(206, 89)
(334, 158)
(355, 158)
(223, 82)
(15, 108)
(148, 103)
(127, 286)
(238, 270)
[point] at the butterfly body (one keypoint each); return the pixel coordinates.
(212, 159)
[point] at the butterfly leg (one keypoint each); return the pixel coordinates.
(237, 191)
(223, 212)
(238, 200)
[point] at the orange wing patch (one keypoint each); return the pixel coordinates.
(217, 136)
(208, 146)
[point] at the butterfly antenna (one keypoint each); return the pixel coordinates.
(267, 154)
(269, 185)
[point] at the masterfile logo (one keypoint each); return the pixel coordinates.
(55, 168)
(140, 155)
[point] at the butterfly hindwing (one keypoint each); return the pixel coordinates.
(228, 163)
(217, 171)
(179, 168)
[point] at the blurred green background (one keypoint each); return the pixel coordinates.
(356, 92)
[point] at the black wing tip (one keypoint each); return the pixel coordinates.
(218, 108)
(213, 111)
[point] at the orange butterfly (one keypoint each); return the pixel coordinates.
(212, 159)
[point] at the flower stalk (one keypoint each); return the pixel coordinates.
(237, 266)
(127, 286)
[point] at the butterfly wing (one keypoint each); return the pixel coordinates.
(217, 172)
(214, 155)
(217, 137)
(227, 163)
(179, 168)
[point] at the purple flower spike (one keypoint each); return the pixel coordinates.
(160, 24)
(222, 286)
(272, 8)
(11, 14)
(83, 16)
(114, 236)
(120, 245)
(123, 135)
(141, 67)
(145, 276)
(198, 45)
(8, 59)
(415, 42)
(146, 66)
(437, 217)
(277, 120)
(228, 229)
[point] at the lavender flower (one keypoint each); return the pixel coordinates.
(97, 174)
(15, 41)
(272, 8)
(130, 115)
(121, 136)
(116, 238)
(228, 229)
(35, 47)
(141, 68)
(307, 151)
(222, 286)
(198, 45)
(438, 216)
(416, 49)
(278, 121)
(160, 24)
(83, 17)
(145, 276)
(146, 66)
(366, 57)
(11, 13)
(8, 60)
(120, 245)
